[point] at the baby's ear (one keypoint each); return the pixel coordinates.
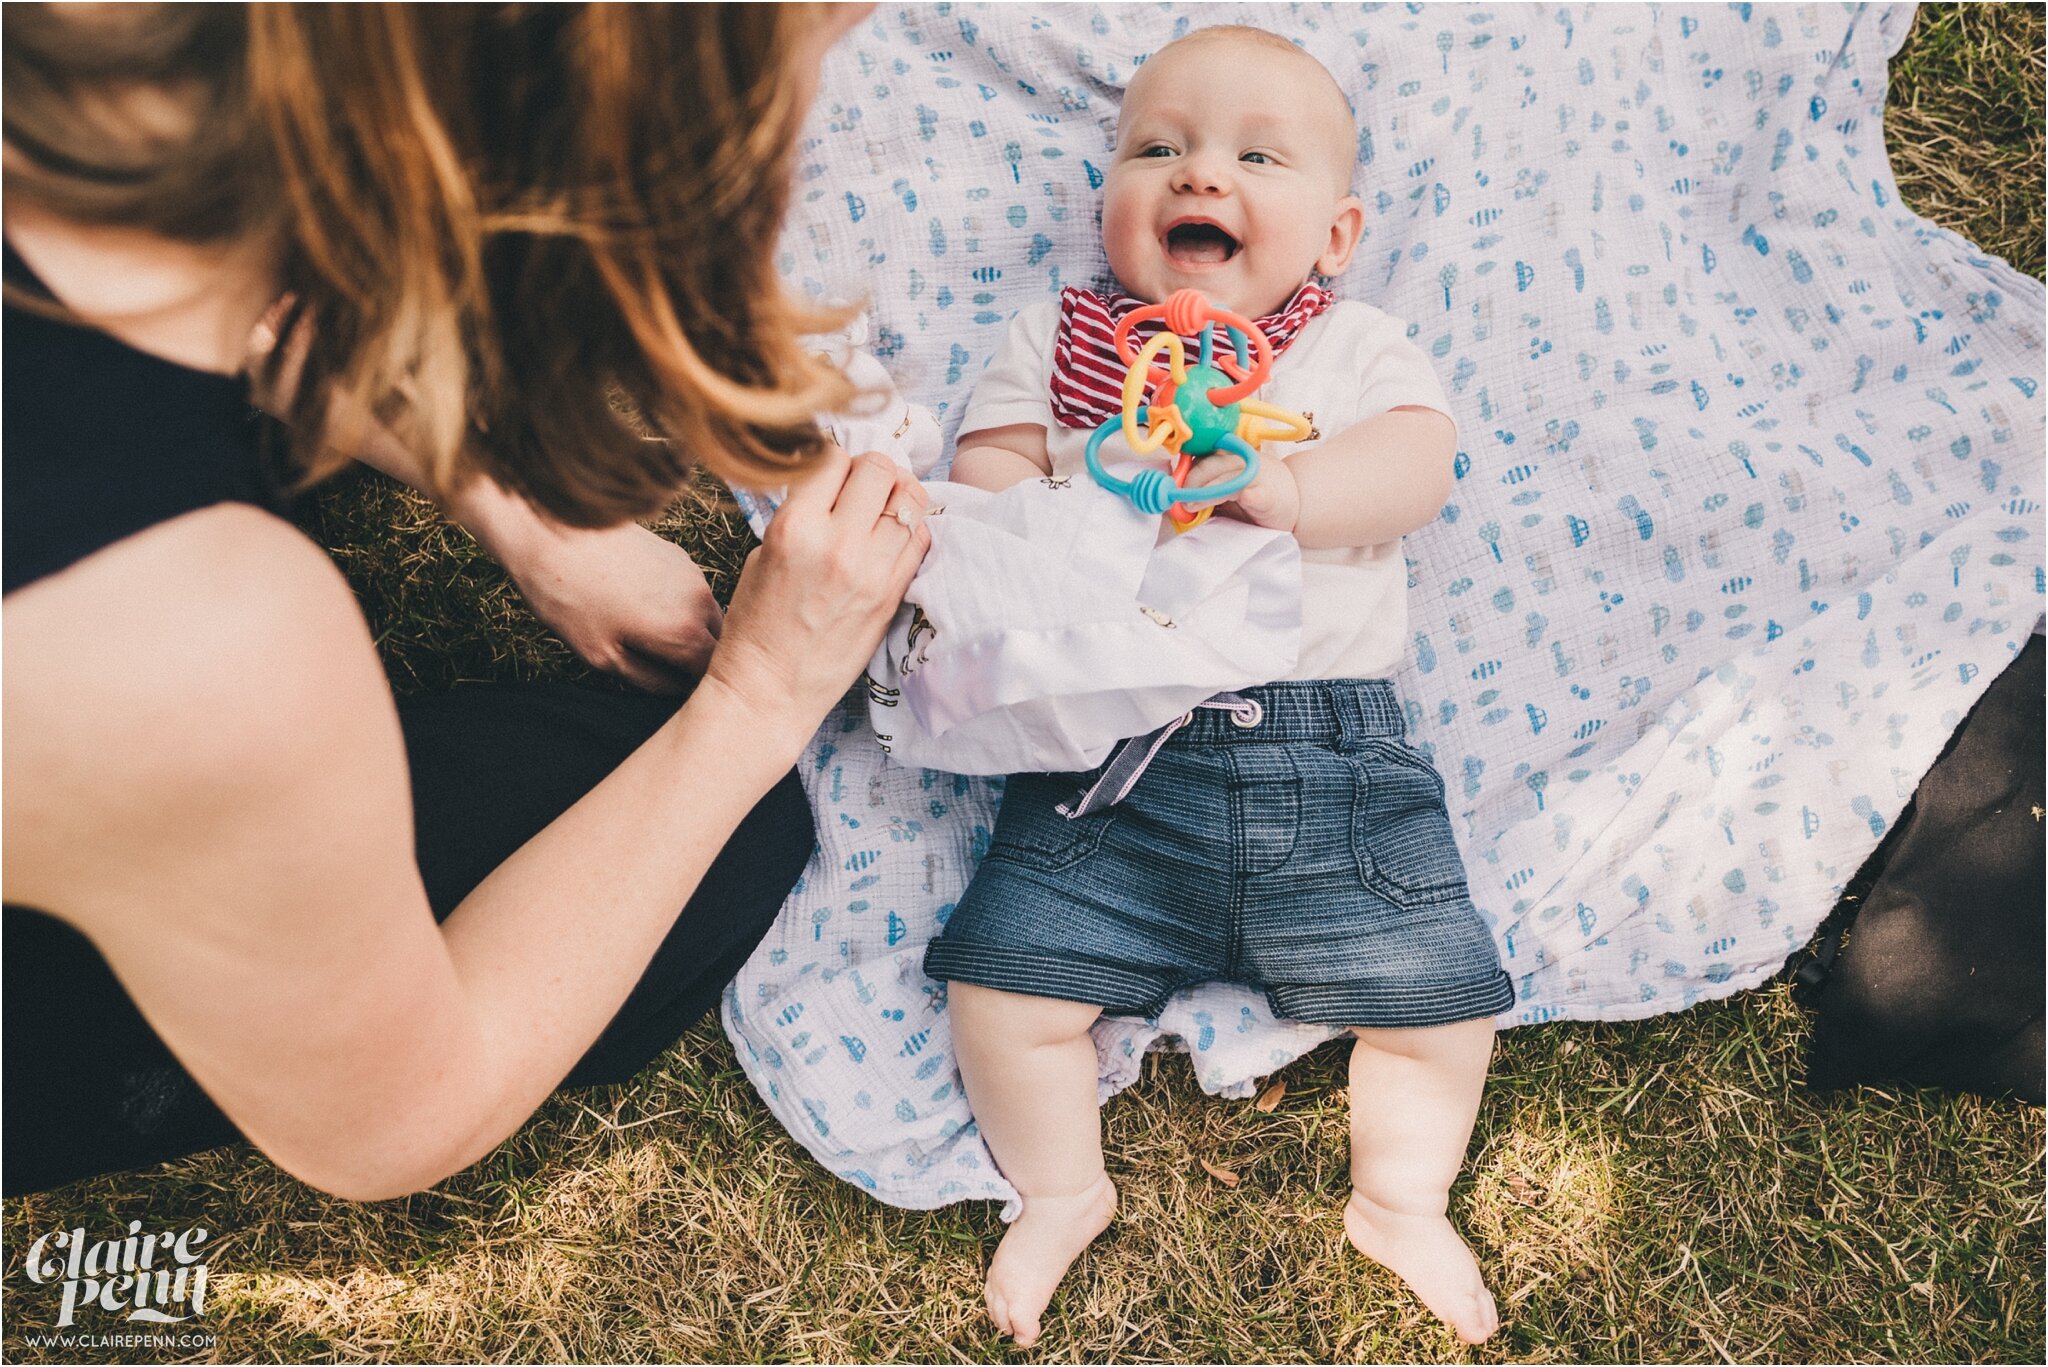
(1345, 227)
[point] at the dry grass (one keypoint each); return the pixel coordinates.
(1656, 1191)
(1964, 125)
(1663, 1190)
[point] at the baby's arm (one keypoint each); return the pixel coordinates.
(1376, 480)
(997, 457)
(1002, 434)
(1371, 483)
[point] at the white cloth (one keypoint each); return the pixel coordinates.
(1350, 363)
(1051, 621)
(1748, 516)
(882, 419)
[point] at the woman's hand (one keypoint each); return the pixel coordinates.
(626, 600)
(817, 594)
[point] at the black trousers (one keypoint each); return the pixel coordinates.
(90, 1088)
(1934, 977)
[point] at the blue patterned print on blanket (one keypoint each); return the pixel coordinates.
(1747, 510)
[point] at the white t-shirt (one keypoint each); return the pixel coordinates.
(1350, 363)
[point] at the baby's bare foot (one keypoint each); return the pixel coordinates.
(1425, 1252)
(1036, 1252)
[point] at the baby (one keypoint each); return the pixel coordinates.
(1287, 837)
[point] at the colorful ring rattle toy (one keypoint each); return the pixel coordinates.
(1194, 411)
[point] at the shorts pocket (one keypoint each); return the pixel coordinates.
(1031, 832)
(1400, 829)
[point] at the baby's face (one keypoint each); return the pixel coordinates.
(1231, 175)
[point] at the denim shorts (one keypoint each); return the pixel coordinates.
(1307, 853)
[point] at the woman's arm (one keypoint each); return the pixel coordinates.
(209, 780)
(626, 600)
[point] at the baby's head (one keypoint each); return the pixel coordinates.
(1232, 172)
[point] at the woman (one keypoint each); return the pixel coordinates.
(528, 253)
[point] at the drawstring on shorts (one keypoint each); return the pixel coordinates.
(1128, 762)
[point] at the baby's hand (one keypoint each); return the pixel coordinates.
(1272, 499)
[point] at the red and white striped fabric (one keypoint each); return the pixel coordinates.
(1088, 379)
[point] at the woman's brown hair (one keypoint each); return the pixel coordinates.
(537, 240)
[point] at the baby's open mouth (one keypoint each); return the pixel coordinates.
(1199, 244)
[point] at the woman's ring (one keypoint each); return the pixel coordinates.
(907, 517)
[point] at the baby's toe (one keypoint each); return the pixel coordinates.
(1480, 1319)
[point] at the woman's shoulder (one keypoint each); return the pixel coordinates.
(227, 614)
(188, 669)
(230, 576)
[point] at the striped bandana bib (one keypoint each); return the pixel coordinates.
(1088, 379)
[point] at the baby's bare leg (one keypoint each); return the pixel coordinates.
(1414, 1097)
(1029, 1067)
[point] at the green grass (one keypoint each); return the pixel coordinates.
(1662, 1190)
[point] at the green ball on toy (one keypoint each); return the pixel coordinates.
(1208, 423)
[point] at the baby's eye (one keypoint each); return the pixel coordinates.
(1157, 149)
(1256, 158)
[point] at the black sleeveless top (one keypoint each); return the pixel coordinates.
(101, 441)
(98, 441)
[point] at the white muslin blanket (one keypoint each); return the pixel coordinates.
(1748, 509)
(1051, 620)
